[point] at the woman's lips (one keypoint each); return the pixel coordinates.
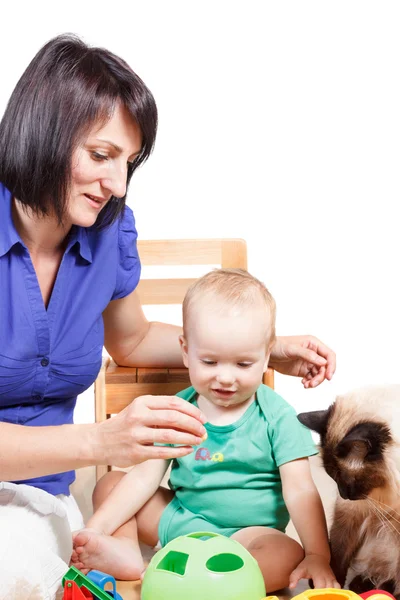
(94, 202)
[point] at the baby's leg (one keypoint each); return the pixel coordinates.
(276, 553)
(148, 517)
(118, 555)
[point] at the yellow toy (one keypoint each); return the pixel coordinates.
(335, 594)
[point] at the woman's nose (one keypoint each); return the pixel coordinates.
(116, 180)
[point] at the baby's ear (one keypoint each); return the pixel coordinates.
(183, 344)
(268, 356)
(317, 420)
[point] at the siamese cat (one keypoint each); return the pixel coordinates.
(360, 449)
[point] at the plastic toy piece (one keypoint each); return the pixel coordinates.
(327, 594)
(377, 595)
(335, 594)
(74, 592)
(92, 582)
(101, 579)
(201, 566)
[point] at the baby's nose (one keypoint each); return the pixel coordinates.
(226, 377)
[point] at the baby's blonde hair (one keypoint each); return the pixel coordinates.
(235, 287)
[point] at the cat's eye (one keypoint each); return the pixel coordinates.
(354, 448)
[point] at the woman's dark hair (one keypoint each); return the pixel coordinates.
(65, 90)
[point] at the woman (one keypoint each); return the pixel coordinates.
(77, 125)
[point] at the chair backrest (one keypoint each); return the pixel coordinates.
(117, 386)
(229, 253)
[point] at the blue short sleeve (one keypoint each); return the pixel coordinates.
(128, 268)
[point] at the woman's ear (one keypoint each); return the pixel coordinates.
(183, 344)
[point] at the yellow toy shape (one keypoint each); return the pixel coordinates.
(331, 594)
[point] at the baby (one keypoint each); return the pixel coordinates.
(246, 479)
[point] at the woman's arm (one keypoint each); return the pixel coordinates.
(27, 452)
(128, 496)
(124, 440)
(133, 341)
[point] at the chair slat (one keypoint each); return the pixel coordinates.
(163, 291)
(189, 252)
(162, 375)
(119, 395)
(234, 254)
(268, 378)
(100, 391)
(121, 390)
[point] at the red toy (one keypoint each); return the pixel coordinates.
(74, 592)
(91, 585)
(376, 593)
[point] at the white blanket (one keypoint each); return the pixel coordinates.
(36, 541)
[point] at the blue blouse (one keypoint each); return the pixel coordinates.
(48, 357)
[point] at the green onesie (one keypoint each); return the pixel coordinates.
(232, 479)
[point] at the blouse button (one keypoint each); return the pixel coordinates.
(44, 362)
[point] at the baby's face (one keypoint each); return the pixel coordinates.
(227, 351)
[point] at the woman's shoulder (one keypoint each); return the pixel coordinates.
(126, 227)
(121, 234)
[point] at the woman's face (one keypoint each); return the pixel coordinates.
(99, 167)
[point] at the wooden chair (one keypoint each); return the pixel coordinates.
(117, 386)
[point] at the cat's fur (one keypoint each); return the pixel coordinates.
(360, 449)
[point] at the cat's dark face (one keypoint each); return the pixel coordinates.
(353, 455)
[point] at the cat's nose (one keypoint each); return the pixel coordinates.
(343, 491)
(350, 491)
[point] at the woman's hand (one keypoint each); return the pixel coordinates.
(303, 356)
(129, 437)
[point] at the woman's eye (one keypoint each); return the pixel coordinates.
(98, 156)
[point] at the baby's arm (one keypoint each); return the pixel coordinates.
(128, 496)
(306, 511)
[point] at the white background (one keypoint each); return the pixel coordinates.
(279, 123)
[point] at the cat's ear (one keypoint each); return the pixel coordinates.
(367, 438)
(317, 420)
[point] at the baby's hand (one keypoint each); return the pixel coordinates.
(317, 568)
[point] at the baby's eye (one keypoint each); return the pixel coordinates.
(244, 365)
(99, 157)
(208, 362)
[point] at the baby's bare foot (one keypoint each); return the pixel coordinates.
(116, 556)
